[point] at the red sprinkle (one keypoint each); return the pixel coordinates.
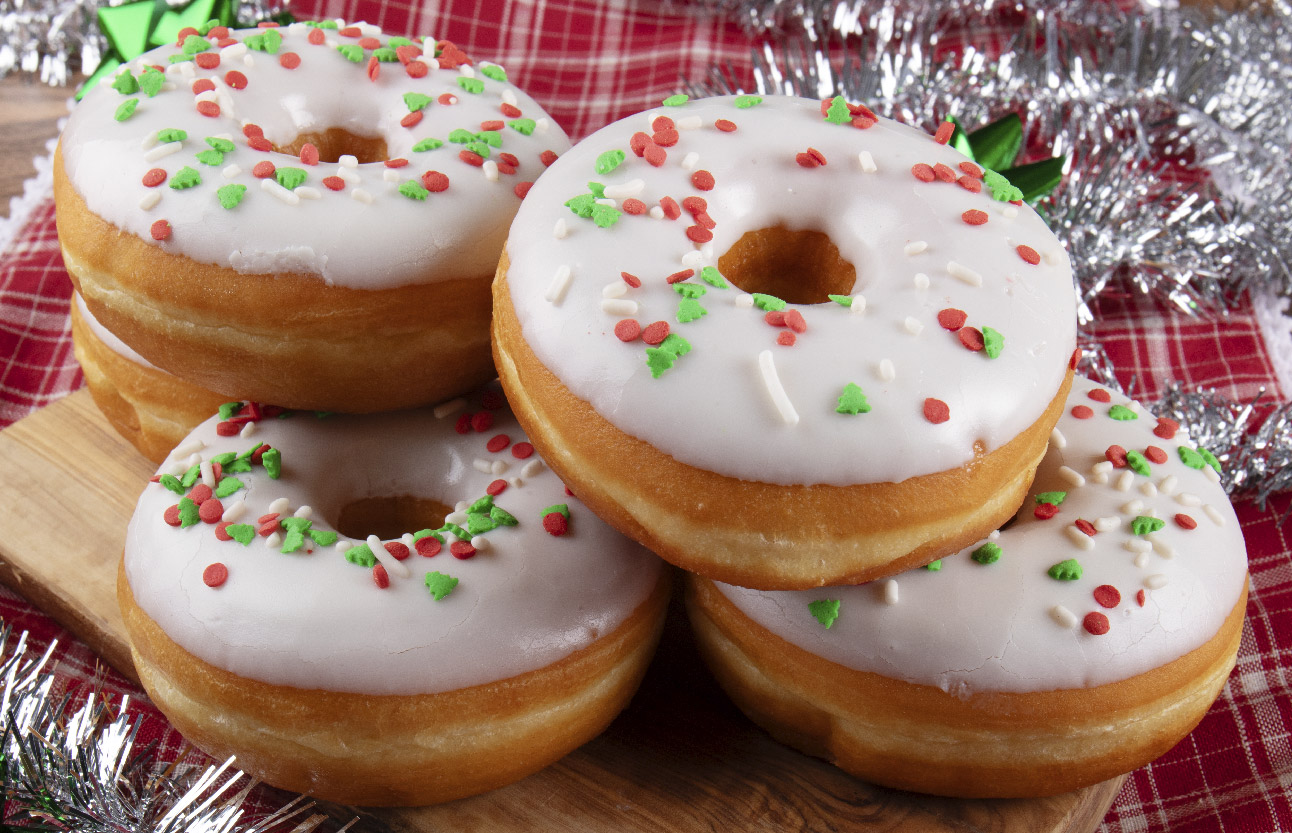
(952, 319)
(1185, 521)
(370, 43)
(655, 333)
(272, 516)
(1082, 412)
(316, 37)
(1166, 428)
(665, 138)
(1100, 395)
(208, 108)
(498, 442)
(1107, 596)
(222, 531)
(215, 574)
(227, 428)
(974, 217)
(397, 550)
(309, 154)
(511, 111)
(627, 330)
(785, 338)
(1116, 455)
(547, 157)
(725, 126)
(638, 142)
(971, 169)
(678, 277)
(812, 158)
(670, 208)
(936, 411)
(471, 158)
(207, 60)
(171, 515)
(695, 205)
(380, 577)
(655, 155)
(634, 206)
(1155, 455)
(435, 181)
(407, 53)
(493, 124)
(350, 32)
(260, 143)
(497, 487)
(397, 162)
(705, 221)
(154, 177)
(522, 451)
(923, 172)
(1028, 253)
(268, 528)
(429, 546)
(971, 338)
(263, 170)
(199, 494)
(1085, 526)
(211, 510)
(463, 425)
(662, 123)
(522, 188)
(969, 184)
(160, 230)
(417, 69)
(412, 119)
(698, 234)
(944, 172)
(203, 85)
(462, 550)
(795, 321)
(1045, 511)
(1095, 623)
(184, 33)
(289, 60)
(238, 81)
(218, 32)
(374, 68)
(482, 421)
(775, 317)
(631, 279)
(555, 523)
(703, 180)
(863, 123)
(334, 183)
(1139, 598)
(944, 132)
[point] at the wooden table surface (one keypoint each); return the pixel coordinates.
(29, 114)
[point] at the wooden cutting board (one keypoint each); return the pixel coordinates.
(680, 759)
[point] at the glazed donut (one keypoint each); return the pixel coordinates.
(291, 619)
(772, 350)
(1081, 642)
(307, 215)
(151, 408)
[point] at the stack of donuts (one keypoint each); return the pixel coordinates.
(819, 360)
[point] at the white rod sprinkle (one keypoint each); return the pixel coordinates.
(767, 369)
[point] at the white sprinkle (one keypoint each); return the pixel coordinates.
(230, 171)
(690, 161)
(1213, 513)
(993, 535)
(1155, 582)
(490, 169)
(921, 281)
(274, 541)
(1188, 499)
(890, 592)
(459, 518)
(205, 95)
(480, 543)
(279, 192)
(177, 467)
(1138, 545)
(1009, 212)
(559, 283)
(1141, 561)
(348, 161)
(1133, 507)
(1148, 489)
(1161, 547)
(561, 229)
(532, 469)
(187, 70)
(542, 126)
(483, 466)
(233, 51)
(305, 192)
(304, 512)
(516, 482)
(618, 306)
(767, 369)
(280, 505)
(248, 60)
(867, 162)
(1124, 481)
(617, 289)
(149, 200)
(1167, 485)
(150, 141)
(1212, 474)
(1101, 471)
(1057, 439)
(1072, 476)
(392, 564)
(623, 190)
(1107, 523)
(1081, 539)
(657, 213)
(349, 175)
(185, 449)
(688, 123)
(915, 247)
(194, 460)
(912, 326)
(1063, 617)
(462, 506)
(390, 175)
(342, 545)
(886, 370)
(609, 202)
(744, 301)
(162, 151)
(207, 470)
(509, 96)
(234, 511)
(693, 259)
(499, 467)
(248, 429)
(466, 71)
(858, 305)
(963, 273)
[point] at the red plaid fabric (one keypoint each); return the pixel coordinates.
(590, 62)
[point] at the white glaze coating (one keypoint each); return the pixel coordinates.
(971, 627)
(732, 424)
(315, 620)
(335, 234)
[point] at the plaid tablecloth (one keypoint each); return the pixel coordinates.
(592, 61)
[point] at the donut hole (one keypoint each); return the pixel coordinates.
(797, 266)
(389, 517)
(336, 142)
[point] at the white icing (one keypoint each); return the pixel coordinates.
(454, 233)
(315, 620)
(871, 217)
(1009, 626)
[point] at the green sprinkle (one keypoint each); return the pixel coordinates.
(222, 145)
(934, 566)
(525, 126)
(295, 524)
(190, 477)
(1138, 463)
(689, 290)
(180, 58)
(744, 102)
(988, 553)
(605, 216)
(609, 160)
(171, 134)
(768, 303)
(1211, 460)
(598, 190)
(327, 24)
(230, 195)
(126, 109)
(211, 157)
(1144, 524)
(352, 51)
(272, 460)
(471, 85)
(413, 189)
(502, 517)
(454, 530)
(713, 277)
(227, 486)
(227, 457)
(1122, 413)
(427, 533)
(852, 401)
(227, 410)
(206, 27)
(242, 533)
(562, 508)
(398, 41)
(839, 112)
(194, 44)
(440, 585)
(172, 483)
(661, 358)
(461, 137)
(1000, 187)
(841, 300)
(427, 144)
(480, 149)
(188, 514)
(386, 55)
(291, 178)
(1053, 498)
(993, 342)
(1191, 457)
(323, 537)
(675, 344)
(493, 71)
(689, 309)
(185, 177)
(416, 101)
(825, 611)
(151, 80)
(582, 205)
(238, 466)
(292, 541)
(676, 100)
(492, 138)
(484, 504)
(1069, 570)
(125, 83)
(361, 554)
(268, 40)
(479, 524)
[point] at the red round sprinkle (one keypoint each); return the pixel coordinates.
(1095, 623)
(374, 68)
(971, 338)
(417, 69)
(1085, 526)
(795, 321)
(1185, 521)
(462, 550)
(944, 173)
(397, 550)
(160, 230)
(1107, 596)
(511, 111)
(627, 330)
(499, 486)
(498, 442)
(974, 217)
(267, 24)
(698, 234)
(952, 319)
(969, 184)
(199, 494)
(429, 546)
(268, 528)
(370, 43)
(447, 99)
(665, 138)
(655, 155)
(471, 158)
(923, 172)
(810, 159)
(316, 37)
(259, 453)
(154, 177)
(272, 516)
(227, 428)
(695, 205)
(492, 124)
(211, 510)
(397, 162)
(1100, 395)
(263, 170)
(634, 206)
(936, 411)
(863, 122)
(704, 220)
(1155, 455)
(638, 143)
(631, 279)
(412, 119)
(215, 574)
(380, 577)
(703, 180)
(775, 317)
(208, 108)
(309, 154)
(289, 60)
(1139, 598)
(678, 277)
(655, 333)
(435, 181)
(1045, 511)
(238, 81)
(555, 523)
(785, 338)
(207, 60)
(971, 169)
(1166, 428)
(662, 123)
(171, 515)
(482, 421)
(350, 32)
(260, 143)
(202, 85)
(522, 189)
(463, 425)
(1082, 412)
(944, 132)
(670, 207)
(184, 33)
(407, 53)
(547, 157)
(218, 32)
(222, 531)
(335, 183)
(522, 451)
(1028, 253)
(725, 125)
(1116, 455)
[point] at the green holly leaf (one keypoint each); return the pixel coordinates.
(608, 161)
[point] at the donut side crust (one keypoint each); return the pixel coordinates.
(920, 738)
(284, 339)
(386, 750)
(759, 535)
